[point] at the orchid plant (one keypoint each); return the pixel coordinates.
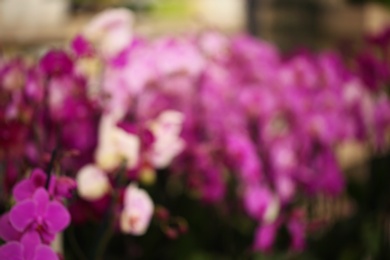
(227, 121)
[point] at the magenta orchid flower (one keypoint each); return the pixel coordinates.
(56, 63)
(29, 248)
(297, 229)
(7, 231)
(82, 47)
(59, 187)
(40, 214)
(27, 187)
(261, 203)
(265, 236)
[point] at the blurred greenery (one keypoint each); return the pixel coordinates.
(96, 5)
(172, 8)
(165, 8)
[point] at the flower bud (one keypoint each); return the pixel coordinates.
(147, 176)
(92, 183)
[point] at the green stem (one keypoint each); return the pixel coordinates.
(109, 219)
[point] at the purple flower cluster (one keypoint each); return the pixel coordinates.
(45, 106)
(36, 218)
(268, 124)
(372, 63)
(215, 111)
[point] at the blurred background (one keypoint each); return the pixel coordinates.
(288, 23)
(34, 25)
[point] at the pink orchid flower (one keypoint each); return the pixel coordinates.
(137, 211)
(29, 248)
(40, 214)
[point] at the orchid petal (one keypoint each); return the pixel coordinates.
(23, 190)
(11, 251)
(7, 231)
(22, 215)
(41, 199)
(265, 237)
(30, 241)
(45, 252)
(57, 217)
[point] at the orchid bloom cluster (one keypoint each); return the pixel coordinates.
(45, 106)
(372, 66)
(269, 123)
(372, 63)
(213, 110)
(36, 218)
(50, 105)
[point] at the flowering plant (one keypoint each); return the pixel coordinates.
(36, 218)
(224, 124)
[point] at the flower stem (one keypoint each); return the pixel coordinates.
(50, 168)
(108, 224)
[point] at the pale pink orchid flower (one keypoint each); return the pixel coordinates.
(111, 31)
(116, 146)
(137, 211)
(168, 144)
